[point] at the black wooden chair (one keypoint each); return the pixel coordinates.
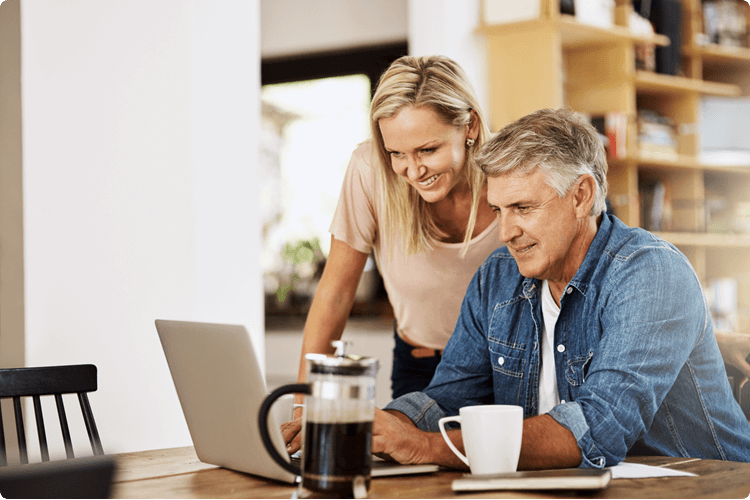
(17, 383)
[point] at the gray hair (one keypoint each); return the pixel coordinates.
(561, 143)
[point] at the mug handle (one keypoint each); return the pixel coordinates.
(263, 422)
(441, 424)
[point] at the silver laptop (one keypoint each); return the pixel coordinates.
(221, 388)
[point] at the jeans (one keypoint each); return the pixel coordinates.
(410, 374)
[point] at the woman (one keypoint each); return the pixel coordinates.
(410, 197)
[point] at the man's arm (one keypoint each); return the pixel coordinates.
(545, 445)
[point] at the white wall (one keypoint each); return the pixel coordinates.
(293, 27)
(140, 125)
(448, 27)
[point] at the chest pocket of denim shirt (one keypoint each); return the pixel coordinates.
(507, 372)
(577, 368)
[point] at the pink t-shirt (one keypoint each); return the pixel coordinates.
(425, 289)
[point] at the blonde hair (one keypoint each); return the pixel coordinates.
(559, 142)
(440, 84)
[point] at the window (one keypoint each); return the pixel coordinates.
(315, 112)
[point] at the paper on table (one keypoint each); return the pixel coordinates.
(628, 470)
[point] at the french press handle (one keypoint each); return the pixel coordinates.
(263, 422)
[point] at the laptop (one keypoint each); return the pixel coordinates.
(221, 387)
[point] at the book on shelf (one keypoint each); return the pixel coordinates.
(724, 23)
(656, 206)
(612, 127)
(656, 134)
(666, 17)
(615, 129)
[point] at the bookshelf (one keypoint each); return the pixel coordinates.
(556, 61)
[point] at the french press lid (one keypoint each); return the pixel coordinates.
(341, 363)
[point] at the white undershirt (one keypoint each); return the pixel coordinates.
(548, 395)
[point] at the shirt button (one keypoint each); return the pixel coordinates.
(562, 401)
(569, 290)
(501, 361)
(560, 348)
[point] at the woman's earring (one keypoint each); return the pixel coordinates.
(470, 142)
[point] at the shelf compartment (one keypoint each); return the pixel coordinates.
(724, 64)
(656, 83)
(720, 54)
(680, 162)
(707, 240)
(576, 34)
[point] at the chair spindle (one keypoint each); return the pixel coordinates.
(40, 429)
(3, 457)
(64, 426)
(88, 417)
(20, 431)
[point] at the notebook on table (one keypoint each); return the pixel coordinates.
(551, 479)
(220, 386)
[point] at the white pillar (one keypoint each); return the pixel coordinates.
(140, 200)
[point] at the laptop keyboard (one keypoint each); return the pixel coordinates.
(377, 463)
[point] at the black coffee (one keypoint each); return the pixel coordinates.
(334, 455)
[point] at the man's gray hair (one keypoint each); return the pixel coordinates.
(559, 142)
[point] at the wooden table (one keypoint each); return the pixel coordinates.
(177, 473)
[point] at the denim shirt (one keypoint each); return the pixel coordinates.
(637, 364)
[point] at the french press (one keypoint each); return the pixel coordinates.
(339, 410)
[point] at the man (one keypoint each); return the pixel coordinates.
(599, 331)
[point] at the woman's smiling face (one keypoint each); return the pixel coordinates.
(429, 153)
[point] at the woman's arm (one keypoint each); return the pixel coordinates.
(327, 317)
(333, 300)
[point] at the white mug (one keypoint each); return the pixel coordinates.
(491, 435)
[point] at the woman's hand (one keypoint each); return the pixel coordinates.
(291, 431)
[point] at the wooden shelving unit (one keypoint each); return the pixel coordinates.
(650, 82)
(556, 61)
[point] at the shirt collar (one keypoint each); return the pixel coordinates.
(583, 276)
(581, 280)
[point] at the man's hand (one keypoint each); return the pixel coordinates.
(395, 437)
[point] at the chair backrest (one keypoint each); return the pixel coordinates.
(17, 383)
(740, 385)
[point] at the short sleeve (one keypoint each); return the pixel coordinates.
(355, 220)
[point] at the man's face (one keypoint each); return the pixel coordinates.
(538, 227)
